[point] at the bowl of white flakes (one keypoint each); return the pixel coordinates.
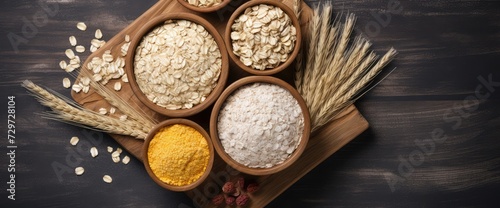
(263, 37)
(260, 125)
(177, 64)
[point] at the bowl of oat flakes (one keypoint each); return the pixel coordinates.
(263, 37)
(204, 5)
(177, 64)
(260, 125)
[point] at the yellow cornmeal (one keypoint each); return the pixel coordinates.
(178, 155)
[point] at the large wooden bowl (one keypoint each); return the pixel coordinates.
(151, 135)
(149, 26)
(282, 66)
(215, 136)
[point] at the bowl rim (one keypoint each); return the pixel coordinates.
(150, 25)
(282, 66)
(259, 171)
(204, 9)
(150, 137)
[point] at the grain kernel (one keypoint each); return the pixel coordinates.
(98, 34)
(79, 170)
(72, 40)
(107, 179)
(63, 64)
(69, 53)
(74, 140)
(94, 152)
(118, 86)
(103, 111)
(77, 88)
(126, 160)
(66, 83)
(115, 153)
(81, 26)
(80, 48)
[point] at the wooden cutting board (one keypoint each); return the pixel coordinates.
(322, 144)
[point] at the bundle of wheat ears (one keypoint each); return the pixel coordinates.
(331, 73)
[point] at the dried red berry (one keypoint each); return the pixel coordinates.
(218, 200)
(252, 187)
(242, 200)
(228, 188)
(230, 200)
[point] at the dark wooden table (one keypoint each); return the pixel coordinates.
(434, 129)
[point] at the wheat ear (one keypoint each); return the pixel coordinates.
(64, 110)
(115, 100)
(334, 71)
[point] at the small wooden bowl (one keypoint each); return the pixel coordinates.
(204, 9)
(151, 135)
(229, 45)
(149, 26)
(214, 121)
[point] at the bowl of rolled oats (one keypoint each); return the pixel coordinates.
(177, 64)
(204, 5)
(263, 37)
(260, 125)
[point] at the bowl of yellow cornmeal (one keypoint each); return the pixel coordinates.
(178, 154)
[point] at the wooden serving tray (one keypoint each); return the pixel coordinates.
(322, 144)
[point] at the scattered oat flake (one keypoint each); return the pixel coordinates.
(123, 117)
(69, 53)
(85, 81)
(98, 34)
(79, 170)
(118, 86)
(110, 149)
(74, 140)
(112, 110)
(72, 40)
(119, 150)
(86, 89)
(126, 160)
(127, 38)
(81, 26)
(63, 64)
(116, 159)
(107, 179)
(77, 88)
(80, 48)
(93, 48)
(115, 153)
(66, 83)
(103, 111)
(94, 152)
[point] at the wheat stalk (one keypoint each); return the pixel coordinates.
(115, 100)
(65, 110)
(334, 71)
(297, 8)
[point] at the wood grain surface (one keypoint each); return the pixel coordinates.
(444, 86)
(321, 145)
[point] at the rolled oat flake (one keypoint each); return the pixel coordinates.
(260, 125)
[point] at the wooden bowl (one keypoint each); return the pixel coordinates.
(229, 45)
(204, 9)
(151, 135)
(150, 25)
(214, 129)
